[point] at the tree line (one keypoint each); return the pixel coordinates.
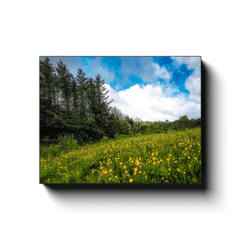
(79, 106)
(76, 105)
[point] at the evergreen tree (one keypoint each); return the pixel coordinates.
(64, 78)
(102, 105)
(92, 99)
(47, 96)
(74, 94)
(55, 89)
(82, 95)
(47, 81)
(74, 102)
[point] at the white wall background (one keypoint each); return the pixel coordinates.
(33, 28)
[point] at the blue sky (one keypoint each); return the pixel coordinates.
(150, 88)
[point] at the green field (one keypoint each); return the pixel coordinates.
(172, 157)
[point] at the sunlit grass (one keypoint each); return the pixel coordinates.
(173, 157)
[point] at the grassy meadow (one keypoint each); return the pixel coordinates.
(172, 157)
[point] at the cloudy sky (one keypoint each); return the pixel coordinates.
(150, 88)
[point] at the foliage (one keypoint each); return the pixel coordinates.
(52, 150)
(104, 139)
(158, 131)
(67, 142)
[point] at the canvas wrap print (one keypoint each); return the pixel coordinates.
(120, 120)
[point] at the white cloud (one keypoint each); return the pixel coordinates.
(191, 62)
(114, 95)
(150, 103)
(152, 72)
(143, 68)
(95, 67)
(193, 83)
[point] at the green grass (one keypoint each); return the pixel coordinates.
(172, 157)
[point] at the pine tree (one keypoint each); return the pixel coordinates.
(75, 97)
(74, 101)
(47, 81)
(55, 89)
(102, 105)
(64, 78)
(82, 95)
(91, 99)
